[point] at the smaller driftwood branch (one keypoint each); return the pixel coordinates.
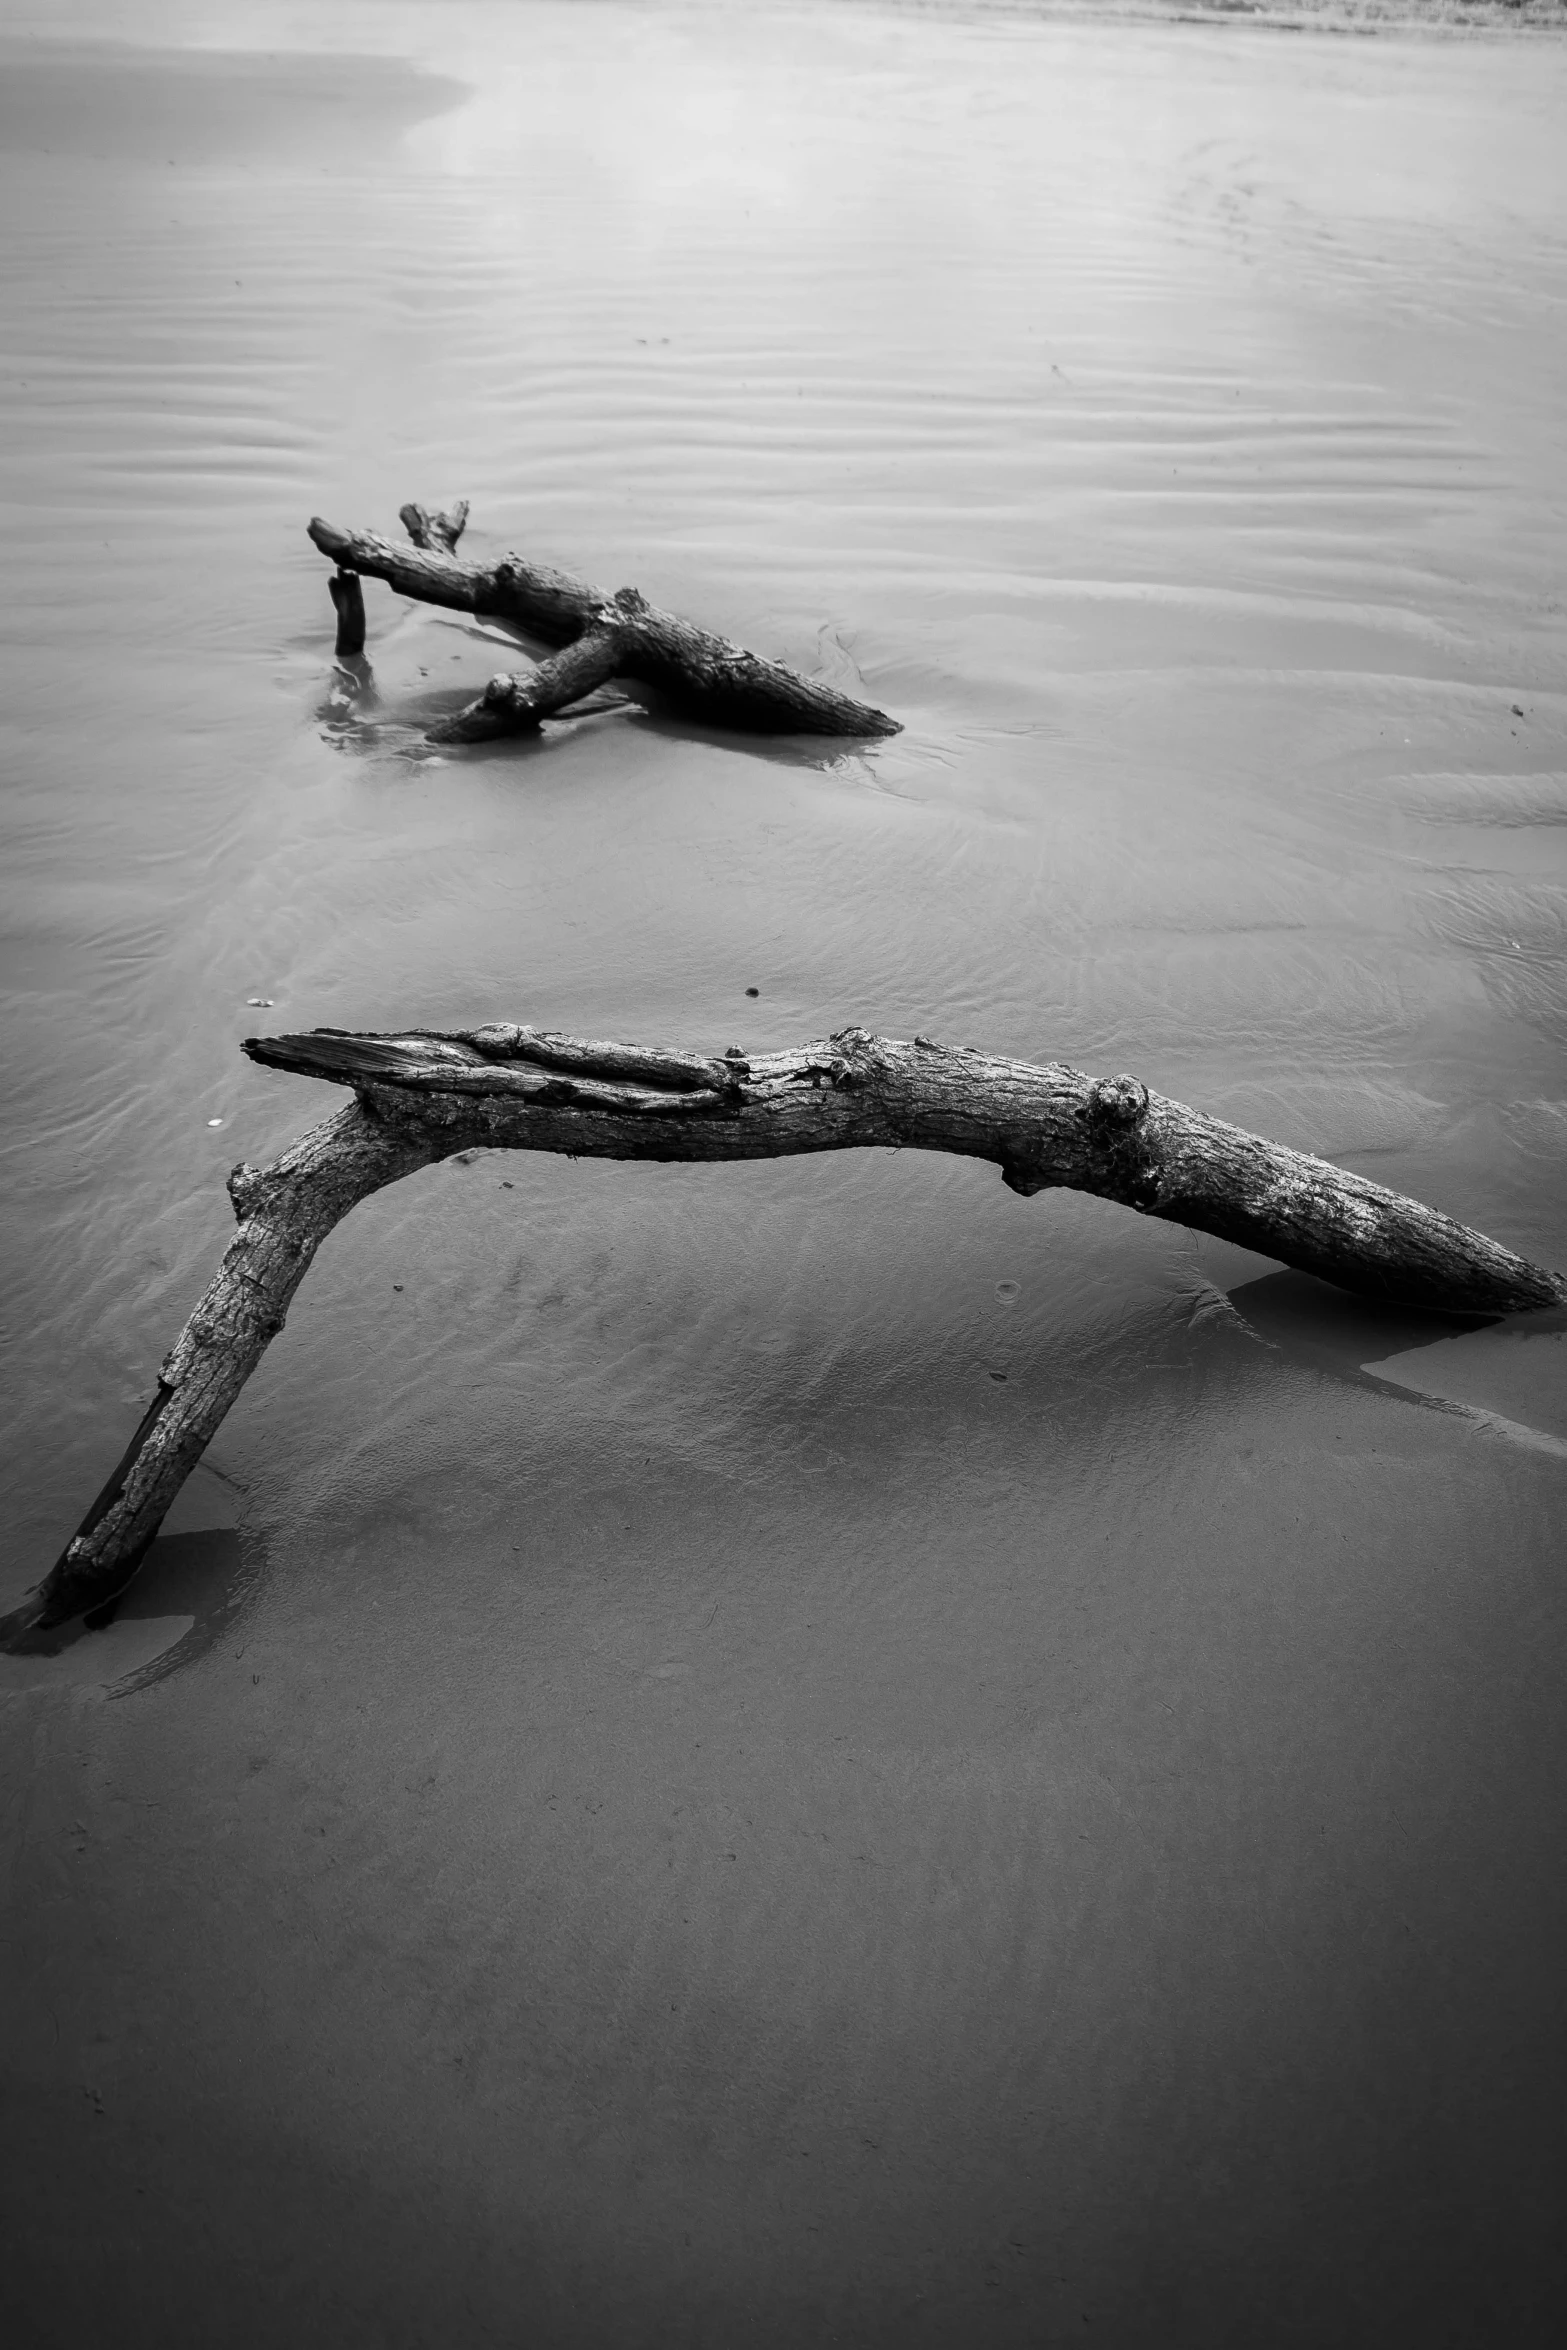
(424, 1096)
(703, 675)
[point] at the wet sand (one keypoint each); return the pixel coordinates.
(811, 1752)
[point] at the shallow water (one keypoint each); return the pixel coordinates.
(803, 1752)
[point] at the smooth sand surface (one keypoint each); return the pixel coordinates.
(804, 1753)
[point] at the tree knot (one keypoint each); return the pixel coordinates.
(1115, 1105)
(863, 1056)
(1125, 1150)
(246, 1185)
(630, 599)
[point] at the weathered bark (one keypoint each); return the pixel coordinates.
(1051, 1126)
(427, 1095)
(703, 675)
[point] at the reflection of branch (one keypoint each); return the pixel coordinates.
(703, 675)
(425, 1096)
(352, 693)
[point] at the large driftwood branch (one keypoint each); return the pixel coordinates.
(424, 1096)
(703, 675)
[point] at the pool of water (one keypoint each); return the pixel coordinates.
(817, 1751)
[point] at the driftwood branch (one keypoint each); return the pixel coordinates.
(702, 675)
(425, 1096)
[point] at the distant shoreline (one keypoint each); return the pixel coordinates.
(1380, 16)
(1447, 19)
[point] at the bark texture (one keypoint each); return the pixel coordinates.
(703, 675)
(425, 1095)
(1043, 1126)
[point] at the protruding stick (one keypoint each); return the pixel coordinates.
(348, 597)
(429, 526)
